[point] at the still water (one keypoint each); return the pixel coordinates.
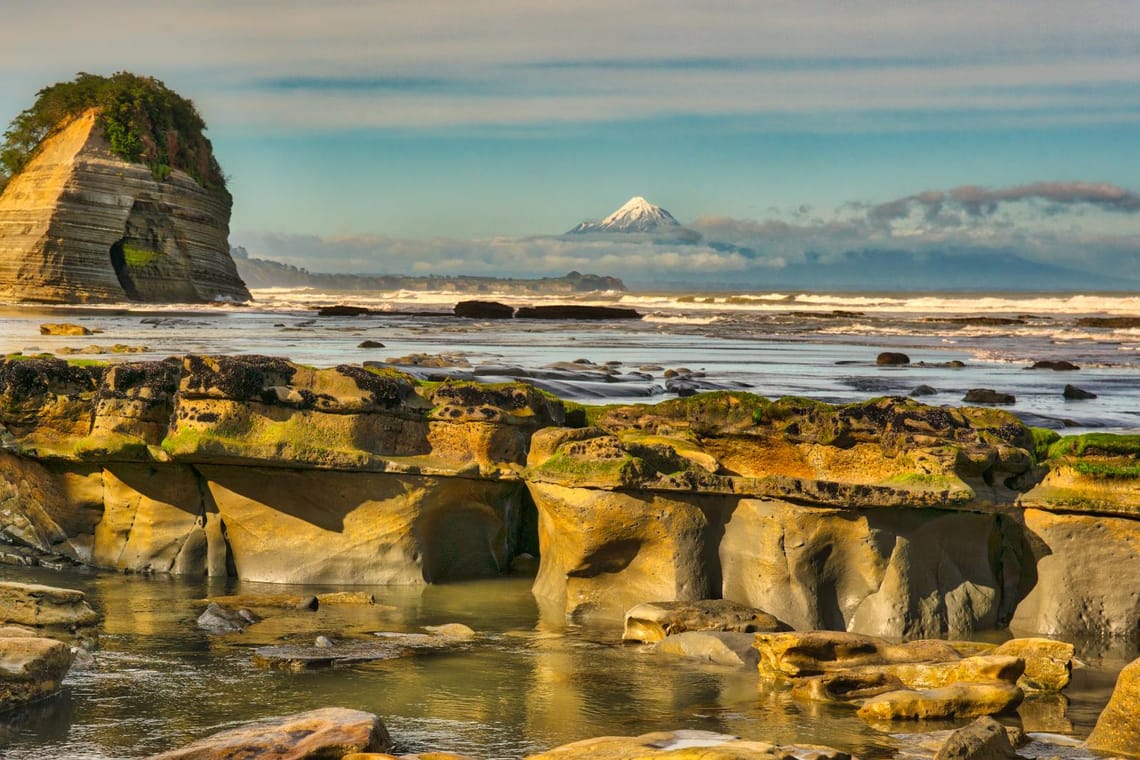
(524, 684)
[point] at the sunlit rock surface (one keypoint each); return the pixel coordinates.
(80, 225)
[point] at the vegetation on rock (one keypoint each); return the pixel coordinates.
(143, 121)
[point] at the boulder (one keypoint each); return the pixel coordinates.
(370, 344)
(809, 653)
(683, 745)
(892, 357)
(1077, 560)
(988, 396)
(1073, 393)
(1048, 663)
(217, 619)
(45, 607)
(720, 647)
(923, 390)
(1057, 365)
(653, 621)
(568, 311)
(1117, 729)
(959, 700)
(330, 732)
(484, 310)
(984, 739)
(31, 669)
(63, 328)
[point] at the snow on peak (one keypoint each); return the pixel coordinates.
(637, 215)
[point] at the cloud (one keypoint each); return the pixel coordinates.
(404, 64)
(978, 202)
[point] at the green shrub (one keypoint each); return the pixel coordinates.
(143, 121)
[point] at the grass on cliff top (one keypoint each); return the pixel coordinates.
(1096, 444)
(143, 120)
(1108, 470)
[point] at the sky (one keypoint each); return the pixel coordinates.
(462, 137)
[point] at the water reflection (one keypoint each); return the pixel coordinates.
(527, 682)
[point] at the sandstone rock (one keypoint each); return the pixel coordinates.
(988, 396)
(1073, 393)
(67, 220)
(935, 675)
(892, 357)
(720, 647)
(1118, 727)
(876, 571)
(984, 739)
(328, 732)
(1075, 590)
(17, 631)
(654, 621)
(42, 607)
(685, 745)
(809, 653)
(960, 700)
(63, 328)
(604, 552)
(1048, 663)
(451, 630)
(484, 310)
(30, 669)
(846, 686)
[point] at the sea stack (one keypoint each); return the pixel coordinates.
(80, 222)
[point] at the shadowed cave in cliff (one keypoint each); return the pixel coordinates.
(122, 271)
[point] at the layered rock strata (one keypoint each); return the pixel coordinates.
(80, 225)
(885, 517)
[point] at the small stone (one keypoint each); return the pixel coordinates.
(323, 642)
(451, 630)
(310, 603)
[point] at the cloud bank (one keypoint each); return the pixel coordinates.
(1033, 228)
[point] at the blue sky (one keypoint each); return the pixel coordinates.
(457, 137)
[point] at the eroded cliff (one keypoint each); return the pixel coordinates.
(79, 224)
(885, 517)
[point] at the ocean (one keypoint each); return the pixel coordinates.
(820, 345)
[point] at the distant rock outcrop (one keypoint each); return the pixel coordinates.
(80, 225)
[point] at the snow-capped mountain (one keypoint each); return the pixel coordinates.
(637, 215)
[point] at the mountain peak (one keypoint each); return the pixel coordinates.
(637, 215)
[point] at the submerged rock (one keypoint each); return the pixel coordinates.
(217, 619)
(720, 647)
(892, 357)
(1118, 727)
(31, 669)
(331, 732)
(655, 621)
(1073, 393)
(686, 743)
(63, 328)
(484, 310)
